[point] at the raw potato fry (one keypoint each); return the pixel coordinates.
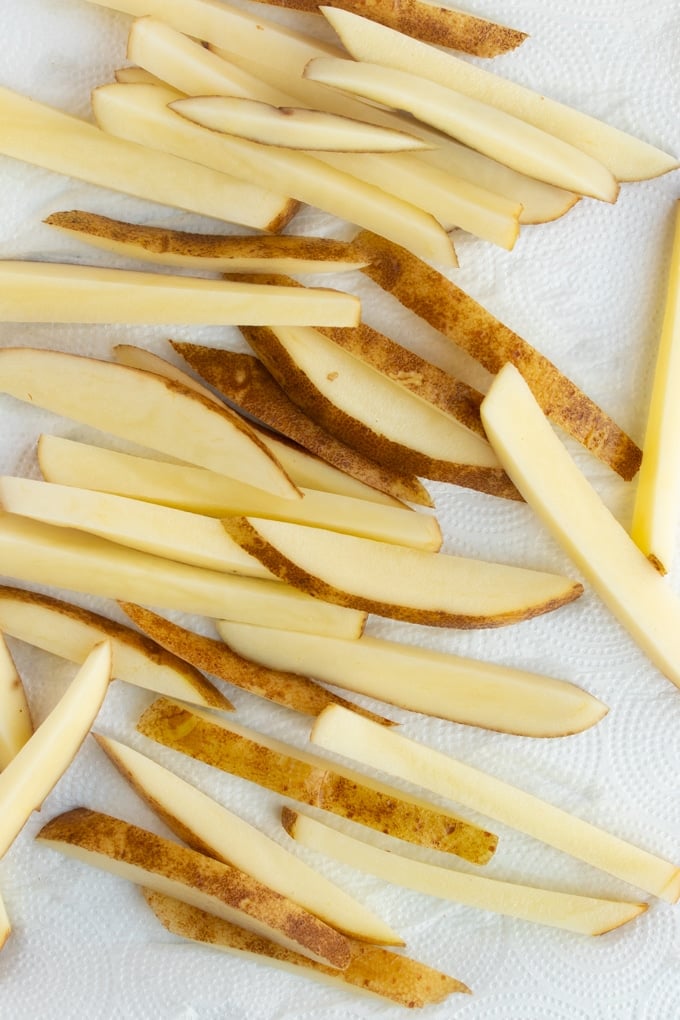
(16, 725)
(574, 513)
(220, 253)
(64, 558)
(447, 308)
(422, 680)
(657, 499)
(72, 632)
(371, 969)
(312, 780)
(340, 731)
(146, 859)
(216, 657)
(208, 827)
(5, 925)
(627, 158)
(28, 778)
(54, 140)
(586, 915)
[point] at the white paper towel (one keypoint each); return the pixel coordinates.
(588, 291)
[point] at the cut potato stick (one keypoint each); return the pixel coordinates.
(5, 924)
(207, 826)
(371, 968)
(447, 308)
(16, 725)
(657, 499)
(291, 690)
(627, 158)
(54, 140)
(312, 780)
(422, 680)
(579, 520)
(144, 408)
(586, 915)
(72, 632)
(149, 860)
(220, 253)
(33, 772)
(338, 730)
(39, 553)
(135, 76)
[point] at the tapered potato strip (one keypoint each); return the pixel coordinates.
(338, 730)
(312, 780)
(5, 924)
(216, 657)
(586, 915)
(48, 138)
(468, 324)
(220, 253)
(657, 499)
(72, 632)
(16, 725)
(627, 157)
(580, 521)
(32, 773)
(371, 968)
(39, 553)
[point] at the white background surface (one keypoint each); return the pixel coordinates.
(588, 291)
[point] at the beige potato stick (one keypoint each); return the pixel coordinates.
(340, 731)
(28, 778)
(580, 521)
(54, 140)
(149, 860)
(5, 924)
(143, 408)
(41, 554)
(627, 158)
(72, 632)
(216, 657)
(371, 969)
(447, 308)
(586, 915)
(16, 725)
(313, 780)
(207, 826)
(422, 680)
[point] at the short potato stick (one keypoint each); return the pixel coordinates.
(15, 715)
(5, 924)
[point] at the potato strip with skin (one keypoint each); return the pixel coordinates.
(15, 716)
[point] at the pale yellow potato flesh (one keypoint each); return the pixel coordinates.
(344, 733)
(71, 632)
(435, 683)
(5, 924)
(627, 157)
(205, 825)
(142, 857)
(586, 915)
(16, 725)
(28, 778)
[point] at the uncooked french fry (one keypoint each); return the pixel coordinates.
(15, 716)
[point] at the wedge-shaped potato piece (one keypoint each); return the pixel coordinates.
(54, 140)
(16, 725)
(657, 500)
(628, 158)
(464, 690)
(312, 780)
(33, 772)
(379, 417)
(338, 730)
(64, 558)
(575, 514)
(587, 915)
(406, 584)
(371, 968)
(143, 408)
(72, 632)
(447, 308)
(166, 867)
(219, 253)
(207, 826)
(5, 924)
(215, 657)
(496, 134)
